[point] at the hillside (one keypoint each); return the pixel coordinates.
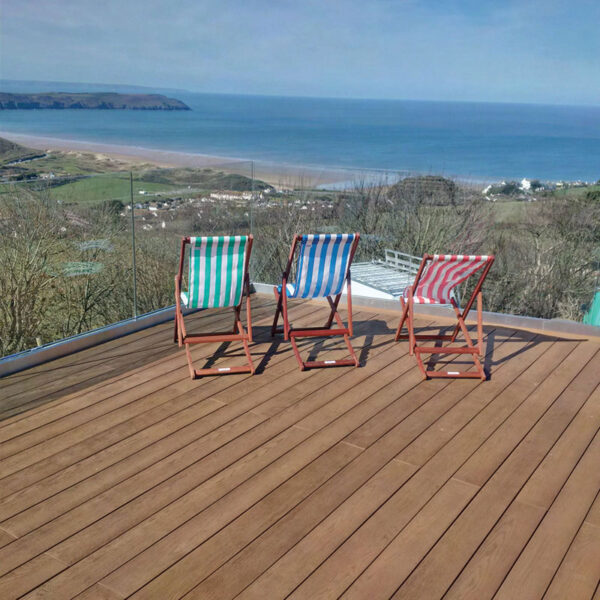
(11, 152)
(100, 100)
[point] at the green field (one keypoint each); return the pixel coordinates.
(574, 192)
(112, 187)
(510, 211)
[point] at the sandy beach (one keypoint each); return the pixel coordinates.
(281, 175)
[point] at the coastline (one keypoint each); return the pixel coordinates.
(277, 174)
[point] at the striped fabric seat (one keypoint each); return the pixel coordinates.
(216, 273)
(322, 265)
(442, 274)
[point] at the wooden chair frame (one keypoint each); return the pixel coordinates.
(476, 352)
(238, 332)
(327, 330)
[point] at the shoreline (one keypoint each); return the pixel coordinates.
(277, 174)
(282, 175)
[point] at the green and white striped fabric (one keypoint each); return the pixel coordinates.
(216, 275)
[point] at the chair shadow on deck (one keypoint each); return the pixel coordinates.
(366, 339)
(46, 384)
(367, 328)
(493, 337)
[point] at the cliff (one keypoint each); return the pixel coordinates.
(101, 100)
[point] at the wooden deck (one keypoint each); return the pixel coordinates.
(123, 478)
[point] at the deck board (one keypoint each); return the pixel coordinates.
(121, 477)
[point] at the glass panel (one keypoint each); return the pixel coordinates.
(65, 258)
(172, 203)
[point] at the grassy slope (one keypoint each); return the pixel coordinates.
(9, 152)
(112, 187)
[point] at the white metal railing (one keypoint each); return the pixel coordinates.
(402, 261)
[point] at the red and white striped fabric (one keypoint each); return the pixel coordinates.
(442, 274)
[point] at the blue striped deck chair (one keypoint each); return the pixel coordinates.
(217, 278)
(322, 271)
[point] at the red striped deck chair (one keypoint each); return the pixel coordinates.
(435, 281)
(323, 268)
(217, 278)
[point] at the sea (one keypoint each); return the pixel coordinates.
(470, 140)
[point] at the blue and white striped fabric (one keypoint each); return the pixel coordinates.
(322, 265)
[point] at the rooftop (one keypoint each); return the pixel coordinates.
(121, 477)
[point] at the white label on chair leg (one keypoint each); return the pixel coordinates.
(452, 373)
(225, 369)
(329, 362)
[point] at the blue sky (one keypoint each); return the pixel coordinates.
(544, 51)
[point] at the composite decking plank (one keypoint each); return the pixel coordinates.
(108, 554)
(593, 517)
(157, 486)
(370, 431)
(137, 350)
(104, 356)
(18, 582)
(248, 563)
(317, 546)
(5, 537)
(179, 574)
(307, 479)
(576, 363)
(191, 532)
(305, 517)
(381, 571)
(96, 459)
(52, 370)
(84, 423)
(433, 438)
(98, 592)
(65, 405)
(67, 521)
(173, 365)
(485, 571)
(579, 572)
(134, 460)
(412, 543)
(547, 547)
(466, 534)
(105, 448)
(355, 554)
(211, 316)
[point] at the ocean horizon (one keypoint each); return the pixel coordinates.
(469, 140)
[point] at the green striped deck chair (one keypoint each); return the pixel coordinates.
(217, 278)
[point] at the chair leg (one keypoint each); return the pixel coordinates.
(404, 306)
(189, 360)
(297, 353)
(277, 312)
(421, 365)
(249, 318)
(351, 350)
(245, 341)
(411, 329)
(480, 323)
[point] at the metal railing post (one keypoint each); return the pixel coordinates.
(251, 196)
(135, 311)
